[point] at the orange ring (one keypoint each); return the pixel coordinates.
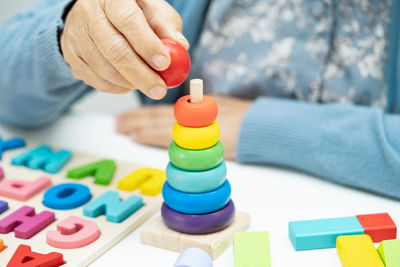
(195, 114)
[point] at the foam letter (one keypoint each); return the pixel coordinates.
(24, 257)
(25, 223)
(3, 206)
(23, 190)
(43, 158)
(111, 205)
(12, 143)
(66, 196)
(102, 171)
(2, 247)
(149, 180)
(1, 173)
(73, 232)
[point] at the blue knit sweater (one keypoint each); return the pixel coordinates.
(353, 145)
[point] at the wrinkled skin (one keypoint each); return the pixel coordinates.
(115, 47)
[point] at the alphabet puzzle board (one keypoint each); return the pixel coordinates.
(111, 232)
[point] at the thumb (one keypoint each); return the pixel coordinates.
(164, 20)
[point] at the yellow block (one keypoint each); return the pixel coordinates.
(2, 247)
(196, 138)
(357, 251)
(149, 180)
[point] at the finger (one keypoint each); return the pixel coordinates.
(128, 18)
(164, 20)
(132, 123)
(101, 66)
(116, 49)
(153, 137)
(82, 71)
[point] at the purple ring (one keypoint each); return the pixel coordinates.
(198, 223)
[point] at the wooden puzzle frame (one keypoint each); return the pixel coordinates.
(111, 233)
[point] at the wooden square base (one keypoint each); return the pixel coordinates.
(157, 234)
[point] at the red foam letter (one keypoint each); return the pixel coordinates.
(24, 257)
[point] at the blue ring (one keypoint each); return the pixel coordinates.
(196, 181)
(200, 203)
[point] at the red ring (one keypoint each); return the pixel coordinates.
(195, 114)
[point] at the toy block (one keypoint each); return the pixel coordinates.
(193, 257)
(1, 173)
(73, 232)
(66, 196)
(102, 171)
(23, 190)
(3, 206)
(24, 257)
(42, 157)
(113, 207)
(322, 233)
(379, 226)
(157, 234)
(358, 251)
(25, 223)
(389, 250)
(149, 180)
(2, 246)
(9, 144)
(251, 249)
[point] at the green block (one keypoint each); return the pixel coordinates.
(251, 249)
(102, 171)
(389, 250)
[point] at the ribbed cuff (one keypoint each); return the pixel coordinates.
(55, 69)
(278, 131)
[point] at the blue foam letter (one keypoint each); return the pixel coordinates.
(43, 158)
(12, 143)
(111, 205)
(66, 196)
(3, 206)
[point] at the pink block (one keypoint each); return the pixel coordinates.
(73, 232)
(1, 173)
(23, 190)
(25, 223)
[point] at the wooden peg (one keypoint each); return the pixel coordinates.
(196, 90)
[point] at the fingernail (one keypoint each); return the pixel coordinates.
(182, 39)
(160, 61)
(157, 92)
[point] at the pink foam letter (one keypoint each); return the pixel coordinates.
(73, 232)
(25, 223)
(1, 173)
(23, 190)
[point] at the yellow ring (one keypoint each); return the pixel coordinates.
(196, 138)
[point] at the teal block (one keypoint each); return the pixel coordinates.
(318, 234)
(113, 207)
(42, 157)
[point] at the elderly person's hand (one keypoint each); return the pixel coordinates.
(152, 125)
(114, 45)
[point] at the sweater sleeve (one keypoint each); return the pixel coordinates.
(351, 145)
(36, 84)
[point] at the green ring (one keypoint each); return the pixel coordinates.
(196, 160)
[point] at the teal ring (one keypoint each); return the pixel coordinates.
(196, 160)
(196, 181)
(200, 203)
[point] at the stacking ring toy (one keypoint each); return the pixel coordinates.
(199, 203)
(199, 224)
(196, 181)
(196, 160)
(196, 138)
(195, 114)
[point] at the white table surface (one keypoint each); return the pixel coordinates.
(271, 195)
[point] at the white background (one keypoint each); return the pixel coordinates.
(271, 195)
